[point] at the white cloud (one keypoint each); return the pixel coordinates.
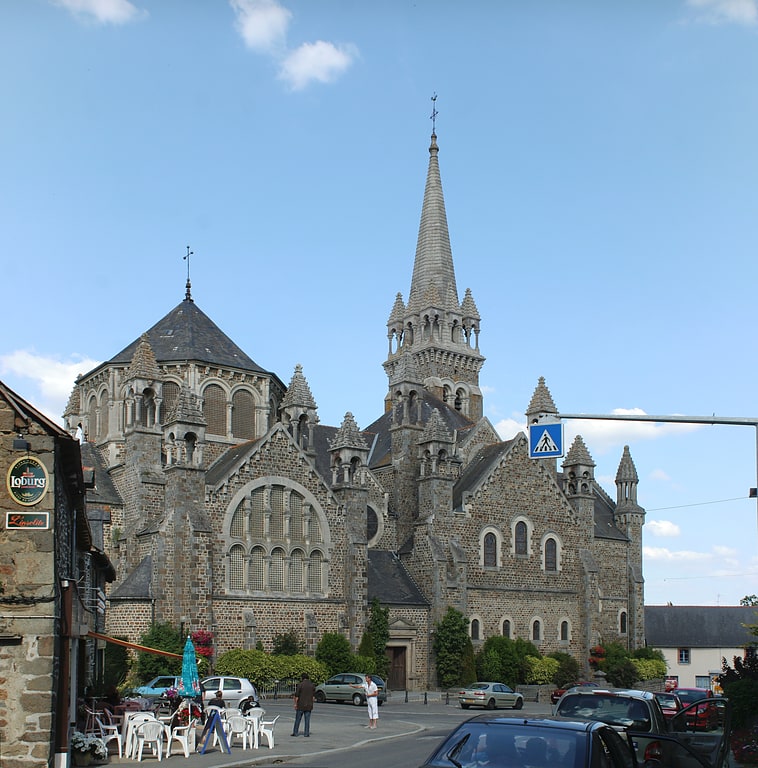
(509, 428)
(262, 23)
(46, 382)
(676, 557)
(320, 61)
(726, 11)
(659, 474)
(602, 436)
(102, 11)
(664, 528)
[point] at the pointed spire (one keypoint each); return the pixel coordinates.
(406, 371)
(298, 393)
(187, 408)
(143, 364)
(348, 435)
(468, 306)
(627, 472)
(578, 454)
(436, 430)
(434, 256)
(74, 404)
(542, 400)
(398, 310)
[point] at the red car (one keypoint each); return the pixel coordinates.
(670, 704)
(706, 716)
(558, 692)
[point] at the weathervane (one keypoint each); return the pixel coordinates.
(188, 294)
(433, 116)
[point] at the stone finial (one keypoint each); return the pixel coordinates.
(348, 435)
(542, 400)
(298, 393)
(578, 454)
(627, 472)
(143, 365)
(436, 430)
(468, 306)
(73, 407)
(398, 310)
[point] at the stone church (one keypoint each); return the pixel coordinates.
(228, 506)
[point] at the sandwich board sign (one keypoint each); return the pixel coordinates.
(546, 440)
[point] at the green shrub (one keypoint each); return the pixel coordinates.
(649, 669)
(287, 644)
(540, 671)
(333, 651)
(453, 650)
(164, 637)
(568, 670)
(264, 669)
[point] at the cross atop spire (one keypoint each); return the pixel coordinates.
(433, 116)
(188, 292)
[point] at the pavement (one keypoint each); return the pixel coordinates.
(327, 735)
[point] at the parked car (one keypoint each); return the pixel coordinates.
(670, 704)
(640, 714)
(234, 689)
(509, 741)
(558, 692)
(341, 688)
(706, 716)
(157, 686)
(490, 695)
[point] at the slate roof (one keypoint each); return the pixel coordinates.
(697, 626)
(480, 466)
(187, 333)
(137, 585)
(389, 582)
(104, 492)
(454, 420)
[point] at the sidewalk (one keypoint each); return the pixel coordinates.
(327, 735)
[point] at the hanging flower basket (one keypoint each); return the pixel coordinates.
(86, 750)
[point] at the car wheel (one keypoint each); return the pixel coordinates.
(491, 704)
(519, 703)
(357, 699)
(320, 698)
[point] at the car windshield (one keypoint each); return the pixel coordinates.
(476, 744)
(688, 697)
(614, 710)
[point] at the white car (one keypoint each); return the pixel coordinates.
(233, 689)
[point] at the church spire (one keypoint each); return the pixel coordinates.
(434, 334)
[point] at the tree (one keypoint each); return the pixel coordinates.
(749, 600)
(379, 628)
(568, 671)
(452, 647)
(116, 666)
(164, 637)
(287, 644)
(333, 650)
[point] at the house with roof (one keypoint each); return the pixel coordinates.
(695, 639)
(235, 510)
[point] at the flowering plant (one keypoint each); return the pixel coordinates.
(171, 693)
(182, 714)
(91, 745)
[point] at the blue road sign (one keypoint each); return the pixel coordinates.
(546, 440)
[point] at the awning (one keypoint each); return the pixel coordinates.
(134, 646)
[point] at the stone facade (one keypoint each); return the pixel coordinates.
(235, 510)
(49, 576)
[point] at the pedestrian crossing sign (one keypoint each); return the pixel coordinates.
(546, 440)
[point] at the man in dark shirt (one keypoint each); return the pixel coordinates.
(303, 704)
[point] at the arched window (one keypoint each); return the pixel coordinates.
(257, 569)
(170, 395)
(474, 629)
(276, 571)
(564, 631)
(506, 628)
(236, 566)
(214, 409)
(102, 424)
(296, 571)
(490, 550)
(536, 631)
(243, 415)
(520, 538)
(551, 555)
(92, 430)
(622, 623)
(315, 569)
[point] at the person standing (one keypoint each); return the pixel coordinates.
(303, 704)
(372, 701)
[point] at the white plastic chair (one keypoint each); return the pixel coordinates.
(180, 733)
(266, 731)
(110, 731)
(254, 716)
(236, 727)
(151, 732)
(132, 722)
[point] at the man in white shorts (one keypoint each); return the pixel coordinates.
(372, 701)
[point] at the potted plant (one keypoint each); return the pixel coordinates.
(85, 748)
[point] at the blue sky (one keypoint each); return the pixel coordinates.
(599, 161)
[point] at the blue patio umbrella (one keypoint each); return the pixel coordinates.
(189, 683)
